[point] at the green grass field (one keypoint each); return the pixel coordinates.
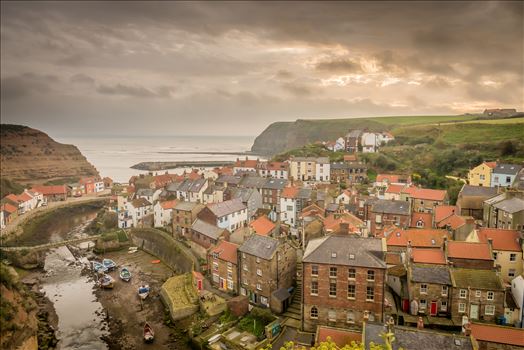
(493, 121)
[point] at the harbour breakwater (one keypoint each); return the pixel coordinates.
(156, 166)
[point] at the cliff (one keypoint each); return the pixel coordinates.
(31, 156)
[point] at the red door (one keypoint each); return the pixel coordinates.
(405, 305)
(433, 310)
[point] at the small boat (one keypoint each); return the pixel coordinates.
(99, 267)
(125, 274)
(149, 334)
(107, 281)
(143, 291)
(109, 264)
(155, 262)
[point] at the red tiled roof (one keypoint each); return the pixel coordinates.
(469, 250)
(168, 204)
(12, 197)
(262, 226)
(248, 163)
(422, 238)
(226, 251)
(312, 210)
(498, 334)
(443, 211)
(428, 256)
(426, 193)
(290, 192)
(341, 337)
(277, 166)
(86, 180)
(395, 188)
(350, 157)
(491, 165)
(425, 217)
(24, 197)
(454, 222)
(223, 171)
(502, 239)
(388, 177)
(50, 190)
(9, 208)
(333, 224)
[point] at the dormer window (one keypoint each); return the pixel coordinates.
(334, 255)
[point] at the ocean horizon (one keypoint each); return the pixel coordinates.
(114, 156)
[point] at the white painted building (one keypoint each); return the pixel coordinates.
(137, 209)
(148, 194)
(344, 197)
(231, 214)
(99, 186)
(322, 169)
(163, 213)
(517, 289)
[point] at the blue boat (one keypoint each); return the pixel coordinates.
(125, 274)
(143, 291)
(109, 264)
(99, 267)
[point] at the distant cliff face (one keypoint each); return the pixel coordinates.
(31, 156)
(282, 136)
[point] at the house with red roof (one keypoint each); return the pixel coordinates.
(424, 199)
(489, 336)
(481, 174)
(428, 256)
(399, 239)
(277, 170)
(222, 261)
(340, 336)
(24, 202)
(507, 246)
(162, 213)
(263, 226)
(384, 180)
(393, 191)
(459, 226)
(51, 193)
(9, 213)
(292, 200)
(469, 255)
(245, 165)
(421, 220)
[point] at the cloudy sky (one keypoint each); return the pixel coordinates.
(201, 68)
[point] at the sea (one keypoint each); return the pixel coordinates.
(114, 156)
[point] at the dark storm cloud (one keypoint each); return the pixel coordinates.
(263, 61)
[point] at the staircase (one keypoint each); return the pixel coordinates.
(294, 311)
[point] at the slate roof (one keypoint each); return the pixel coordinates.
(230, 179)
(140, 202)
(145, 192)
(207, 229)
(252, 181)
(339, 166)
(226, 207)
(346, 250)
(435, 274)
(243, 193)
(391, 207)
(507, 169)
(512, 205)
(275, 184)
(354, 133)
(409, 338)
(478, 191)
(476, 279)
(304, 193)
(263, 247)
(281, 294)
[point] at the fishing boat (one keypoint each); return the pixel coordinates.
(107, 281)
(109, 264)
(125, 274)
(149, 334)
(143, 291)
(99, 267)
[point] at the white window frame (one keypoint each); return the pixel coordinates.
(490, 295)
(259, 286)
(444, 305)
(423, 288)
(259, 272)
(478, 294)
(444, 290)
(490, 308)
(463, 293)
(332, 315)
(462, 308)
(423, 304)
(311, 312)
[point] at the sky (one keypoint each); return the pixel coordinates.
(202, 68)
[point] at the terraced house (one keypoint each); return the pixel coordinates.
(223, 265)
(343, 277)
(230, 215)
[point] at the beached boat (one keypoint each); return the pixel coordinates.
(109, 264)
(107, 281)
(143, 291)
(125, 274)
(99, 267)
(149, 334)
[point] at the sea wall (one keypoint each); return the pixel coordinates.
(163, 246)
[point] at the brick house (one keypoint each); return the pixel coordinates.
(222, 261)
(429, 289)
(206, 234)
(385, 212)
(470, 200)
(184, 214)
(265, 265)
(271, 192)
(478, 294)
(343, 276)
(423, 199)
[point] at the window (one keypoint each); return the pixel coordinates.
(332, 315)
(489, 310)
(289, 208)
(313, 313)
(230, 284)
(244, 281)
(378, 219)
(333, 289)
(478, 293)
(314, 270)
(370, 294)
(215, 266)
(511, 273)
(444, 306)
(259, 272)
(508, 179)
(215, 278)
(245, 267)
(352, 273)
(263, 301)
(463, 293)
(513, 257)
(494, 255)
(332, 272)
(230, 274)
(351, 291)
(444, 290)
(423, 304)
(257, 260)
(259, 286)
(462, 308)
(371, 275)
(314, 287)
(420, 223)
(491, 295)
(243, 255)
(423, 288)
(350, 318)
(243, 291)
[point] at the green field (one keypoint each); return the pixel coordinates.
(494, 121)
